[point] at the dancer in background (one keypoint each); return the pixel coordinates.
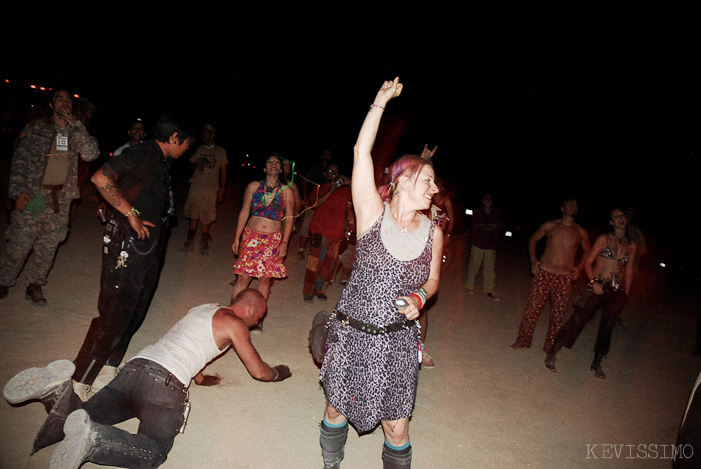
(260, 241)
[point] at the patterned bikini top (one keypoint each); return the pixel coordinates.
(270, 205)
(607, 253)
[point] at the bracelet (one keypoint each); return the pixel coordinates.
(132, 212)
(277, 374)
(376, 105)
(415, 295)
(420, 295)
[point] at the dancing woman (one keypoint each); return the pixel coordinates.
(260, 241)
(610, 269)
(371, 366)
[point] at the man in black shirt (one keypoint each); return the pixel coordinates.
(136, 184)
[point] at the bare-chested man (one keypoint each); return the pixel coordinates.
(553, 273)
(610, 267)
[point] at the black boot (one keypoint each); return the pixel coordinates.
(550, 362)
(333, 442)
(550, 357)
(596, 366)
(38, 383)
(189, 245)
(59, 405)
(35, 295)
(204, 244)
(396, 458)
(87, 441)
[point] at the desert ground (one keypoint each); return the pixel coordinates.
(484, 405)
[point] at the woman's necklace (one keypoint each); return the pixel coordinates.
(403, 227)
(269, 193)
(620, 246)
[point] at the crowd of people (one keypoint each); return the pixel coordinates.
(390, 237)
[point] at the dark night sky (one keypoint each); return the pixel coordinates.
(613, 125)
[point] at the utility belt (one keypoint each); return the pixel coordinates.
(115, 229)
(612, 284)
(117, 235)
(53, 189)
(117, 238)
(371, 329)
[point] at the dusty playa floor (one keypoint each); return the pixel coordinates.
(482, 406)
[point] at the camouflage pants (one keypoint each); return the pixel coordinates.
(42, 234)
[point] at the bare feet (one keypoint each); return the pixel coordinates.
(516, 346)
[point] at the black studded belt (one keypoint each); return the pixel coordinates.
(159, 373)
(371, 329)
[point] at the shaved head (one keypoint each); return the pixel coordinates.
(250, 297)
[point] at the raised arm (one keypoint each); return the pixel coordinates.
(87, 145)
(368, 203)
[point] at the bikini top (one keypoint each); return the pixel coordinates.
(268, 203)
(607, 253)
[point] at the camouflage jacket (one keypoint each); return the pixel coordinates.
(30, 158)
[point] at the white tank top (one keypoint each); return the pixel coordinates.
(188, 346)
(404, 246)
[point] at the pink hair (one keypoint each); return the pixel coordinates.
(409, 164)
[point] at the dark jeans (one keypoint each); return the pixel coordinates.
(126, 290)
(147, 391)
(611, 303)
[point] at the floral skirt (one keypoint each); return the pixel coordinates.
(258, 255)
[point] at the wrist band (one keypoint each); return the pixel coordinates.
(420, 295)
(132, 212)
(376, 105)
(415, 295)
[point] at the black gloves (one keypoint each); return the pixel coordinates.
(283, 372)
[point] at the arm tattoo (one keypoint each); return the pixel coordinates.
(110, 190)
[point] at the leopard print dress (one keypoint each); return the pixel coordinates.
(369, 378)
